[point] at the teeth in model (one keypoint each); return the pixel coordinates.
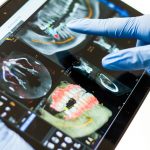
(85, 99)
(68, 113)
(62, 105)
(63, 34)
(69, 94)
(64, 102)
(67, 32)
(79, 94)
(73, 110)
(75, 91)
(62, 27)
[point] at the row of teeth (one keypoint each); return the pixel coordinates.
(52, 12)
(47, 19)
(68, 95)
(82, 101)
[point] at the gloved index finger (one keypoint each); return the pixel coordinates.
(114, 27)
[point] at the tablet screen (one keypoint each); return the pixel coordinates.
(58, 73)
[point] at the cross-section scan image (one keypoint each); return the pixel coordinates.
(105, 81)
(47, 33)
(103, 42)
(74, 110)
(21, 76)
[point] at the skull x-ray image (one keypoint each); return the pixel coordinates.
(46, 31)
(21, 76)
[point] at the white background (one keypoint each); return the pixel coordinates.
(141, 5)
(137, 136)
(2, 2)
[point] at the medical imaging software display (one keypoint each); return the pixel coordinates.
(47, 31)
(57, 73)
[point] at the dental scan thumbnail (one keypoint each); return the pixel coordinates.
(47, 33)
(74, 110)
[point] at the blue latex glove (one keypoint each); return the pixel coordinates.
(9, 140)
(134, 27)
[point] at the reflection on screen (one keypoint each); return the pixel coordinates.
(47, 31)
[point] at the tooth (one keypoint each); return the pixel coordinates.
(68, 113)
(61, 34)
(69, 95)
(65, 100)
(73, 110)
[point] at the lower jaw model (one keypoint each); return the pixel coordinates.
(78, 113)
(48, 33)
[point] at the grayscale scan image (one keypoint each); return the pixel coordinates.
(21, 77)
(46, 31)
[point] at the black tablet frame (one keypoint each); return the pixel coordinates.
(134, 101)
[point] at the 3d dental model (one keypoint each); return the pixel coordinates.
(78, 112)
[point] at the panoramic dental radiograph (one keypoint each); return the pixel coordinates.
(21, 77)
(74, 110)
(47, 33)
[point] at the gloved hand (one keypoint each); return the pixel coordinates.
(134, 27)
(9, 140)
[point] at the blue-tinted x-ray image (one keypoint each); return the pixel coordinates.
(47, 33)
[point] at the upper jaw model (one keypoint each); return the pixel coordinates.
(47, 32)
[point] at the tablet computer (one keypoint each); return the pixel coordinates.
(54, 90)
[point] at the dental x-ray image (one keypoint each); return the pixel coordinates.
(75, 111)
(47, 33)
(23, 76)
(102, 79)
(104, 43)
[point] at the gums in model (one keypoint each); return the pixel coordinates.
(24, 77)
(47, 33)
(75, 111)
